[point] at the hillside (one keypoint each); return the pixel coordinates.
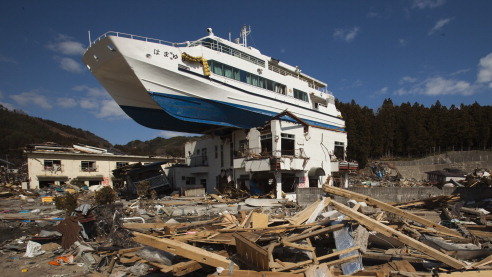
(18, 130)
(159, 146)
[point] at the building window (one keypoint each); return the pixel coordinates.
(88, 166)
(231, 154)
(243, 148)
(301, 95)
(266, 144)
(190, 181)
(221, 155)
(121, 164)
(52, 165)
(203, 182)
(216, 151)
(339, 150)
(204, 156)
(287, 144)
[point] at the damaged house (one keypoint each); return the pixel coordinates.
(277, 158)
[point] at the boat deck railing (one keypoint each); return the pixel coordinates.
(142, 38)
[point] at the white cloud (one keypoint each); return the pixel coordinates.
(484, 75)
(170, 134)
(402, 42)
(7, 106)
(31, 98)
(407, 79)
(66, 45)
(461, 71)
(66, 102)
(382, 91)
(439, 25)
(372, 14)
(5, 59)
(92, 91)
(88, 104)
(435, 86)
(70, 65)
(346, 34)
(110, 109)
(427, 4)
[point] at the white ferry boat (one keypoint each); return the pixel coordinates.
(201, 85)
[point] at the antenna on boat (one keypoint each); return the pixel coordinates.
(245, 31)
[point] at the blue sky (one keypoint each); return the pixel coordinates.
(407, 50)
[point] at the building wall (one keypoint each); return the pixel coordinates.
(314, 149)
(71, 167)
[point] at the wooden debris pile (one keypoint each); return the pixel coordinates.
(327, 238)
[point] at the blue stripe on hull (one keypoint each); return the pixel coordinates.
(216, 113)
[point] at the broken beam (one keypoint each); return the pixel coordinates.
(388, 208)
(388, 231)
(185, 250)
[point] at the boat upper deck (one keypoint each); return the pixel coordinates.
(249, 54)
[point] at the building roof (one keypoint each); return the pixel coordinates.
(80, 150)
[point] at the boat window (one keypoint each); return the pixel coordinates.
(279, 88)
(217, 69)
(237, 75)
(245, 77)
(301, 95)
(228, 71)
(254, 80)
(261, 82)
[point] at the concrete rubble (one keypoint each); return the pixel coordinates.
(78, 232)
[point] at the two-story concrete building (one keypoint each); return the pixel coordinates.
(279, 157)
(55, 165)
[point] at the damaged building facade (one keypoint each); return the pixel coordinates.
(55, 165)
(277, 158)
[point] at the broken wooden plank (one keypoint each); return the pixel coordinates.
(185, 250)
(388, 208)
(314, 233)
(251, 253)
(321, 258)
(184, 268)
(385, 230)
(304, 215)
(259, 220)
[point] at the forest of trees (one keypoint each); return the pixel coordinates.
(414, 130)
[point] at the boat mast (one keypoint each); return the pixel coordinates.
(245, 31)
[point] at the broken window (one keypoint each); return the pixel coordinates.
(339, 150)
(231, 153)
(121, 164)
(88, 166)
(287, 144)
(52, 165)
(289, 182)
(190, 181)
(266, 144)
(203, 182)
(243, 148)
(221, 155)
(204, 156)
